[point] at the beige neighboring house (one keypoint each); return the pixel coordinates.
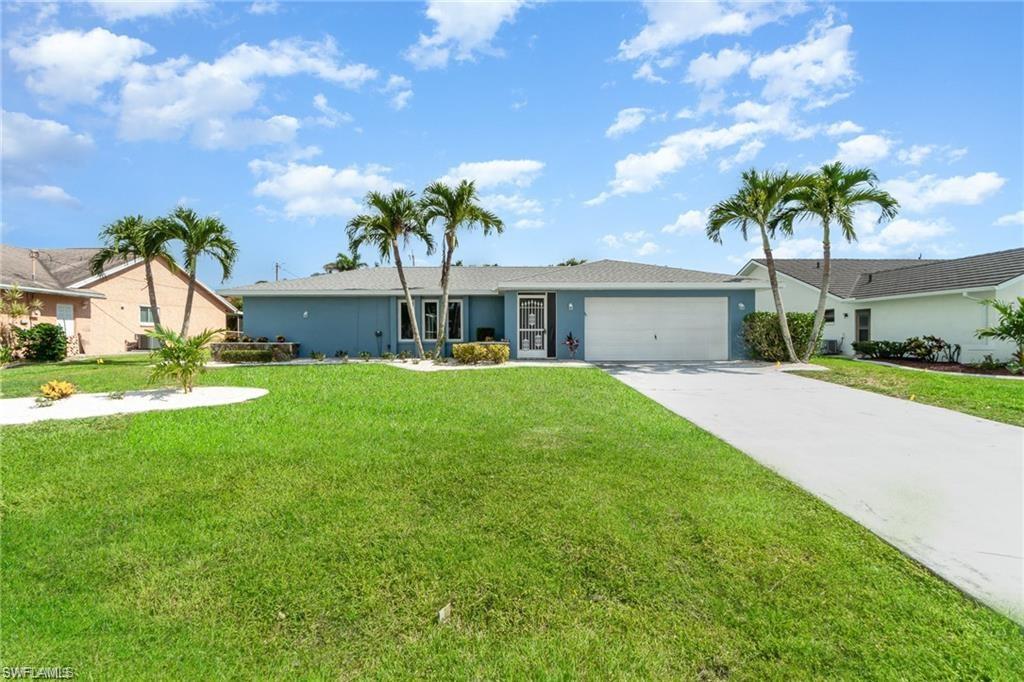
(106, 313)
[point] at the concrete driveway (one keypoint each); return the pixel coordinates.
(944, 487)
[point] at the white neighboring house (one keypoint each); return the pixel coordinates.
(894, 299)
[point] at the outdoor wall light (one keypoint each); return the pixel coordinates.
(570, 306)
(742, 306)
(305, 314)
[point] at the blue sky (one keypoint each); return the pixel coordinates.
(595, 130)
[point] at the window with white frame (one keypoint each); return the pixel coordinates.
(145, 315)
(430, 319)
(404, 322)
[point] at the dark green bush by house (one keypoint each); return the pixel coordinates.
(44, 342)
(763, 337)
(241, 355)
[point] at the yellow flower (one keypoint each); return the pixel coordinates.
(99, 361)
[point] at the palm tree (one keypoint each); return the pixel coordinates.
(199, 236)
(345, 262)
(130, 238)
(762, 201)
(832, 196)
(1010, 328)
(394, 218)
(457, 208)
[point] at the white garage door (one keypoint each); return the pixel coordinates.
(670, 328)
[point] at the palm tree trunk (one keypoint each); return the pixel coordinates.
(188, 298)
(773, 278)
(819, 314)
(152, 292)
(408, 300)
(442, 325)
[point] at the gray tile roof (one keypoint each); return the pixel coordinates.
(425, 280)
(983, 270)
(55, 269)
(845, 273)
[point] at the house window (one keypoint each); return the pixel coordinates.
(404, 323)
(430, 320)
(830, 315)
(145, 316)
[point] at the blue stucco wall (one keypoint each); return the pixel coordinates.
(351, 323)
(567, 320)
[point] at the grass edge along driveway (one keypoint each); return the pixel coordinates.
(578, 528)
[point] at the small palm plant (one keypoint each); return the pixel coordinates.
(1010, 328)
(179, 357)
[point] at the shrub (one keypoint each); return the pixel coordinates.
(44, 342)
(473, 353)
(763, 337)
(246, 355)
(364, 356)
(6, 355)
(403, 355)
(1010, 328)
(57, 390)
(317, 355)
(881, 349)
(280, 338)
(387, 355)
(180, 358)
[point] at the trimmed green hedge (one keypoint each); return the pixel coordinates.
(763, 336)
(472, 353)
(44, 342)
(246, 356)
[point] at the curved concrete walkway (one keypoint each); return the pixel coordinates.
(944, 487)
(83, 405)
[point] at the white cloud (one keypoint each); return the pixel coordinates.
(627, 121)
(528, 224)
(747, 152)
(927, 191)
(646, 72)
(175, 97)
(864, 149)
(239, 133)
(843, 128)
(688, 222)
(633, 237)
(673, 23)
(809, 69)
(1011, 219)
(49, 193)
(618, 241)
(330, 117)
(462, 30)
(73, 66)
(903, 234)
(32, 145)
(915, 154)
(709, 71)
(118, 10)
(264, 7)
(806, 247)
(511, 203)
(647, 249)
(309, 191)
(400, 89)
(520, 172)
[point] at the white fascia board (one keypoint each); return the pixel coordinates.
(53, 292)
(271, 293)
(1010, 282)
(630, 286)
(922, 294)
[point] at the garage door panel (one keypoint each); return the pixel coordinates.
(645, 328)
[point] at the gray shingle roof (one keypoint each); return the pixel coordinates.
(425, 280)
(983, 270)
(56, 268)
(845, 273)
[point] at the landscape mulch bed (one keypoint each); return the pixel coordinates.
(951, 367)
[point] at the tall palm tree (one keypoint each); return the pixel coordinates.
(457, 208)
(345, 262)
(762, 200)
(199, 236)
(393, 218)
(832, 196)
(129, 238)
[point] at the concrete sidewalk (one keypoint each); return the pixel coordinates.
(944, 487)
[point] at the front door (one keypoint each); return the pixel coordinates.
(533, 337)
(862, 319)
(66, 318)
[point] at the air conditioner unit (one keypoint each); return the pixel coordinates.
(146, 342)
(831, 347)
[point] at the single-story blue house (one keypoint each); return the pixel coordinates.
(618, 310)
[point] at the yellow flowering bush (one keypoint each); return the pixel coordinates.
(57, 390)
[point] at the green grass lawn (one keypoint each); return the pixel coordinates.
(578, 528)
(997, 399)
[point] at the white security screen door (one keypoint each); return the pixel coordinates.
(66, 318)
(533, 326)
